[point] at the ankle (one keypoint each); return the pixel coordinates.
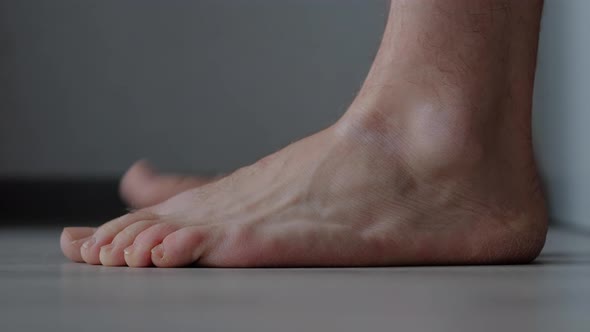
(416, 125)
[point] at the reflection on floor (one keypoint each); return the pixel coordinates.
(40, 290)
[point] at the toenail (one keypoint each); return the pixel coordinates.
(129, 250)
(89, 243)
(82, 240)
(108, 247)
(158, 251)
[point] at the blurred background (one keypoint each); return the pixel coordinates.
(206, 86)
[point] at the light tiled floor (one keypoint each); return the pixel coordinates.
(40, 290)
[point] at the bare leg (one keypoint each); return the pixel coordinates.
(432, 164)
(142, 188)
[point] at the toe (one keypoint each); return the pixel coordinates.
(112, 254)
(72, 239)
(139, 253)
(142, 187)
(183, 247)
(104, 235)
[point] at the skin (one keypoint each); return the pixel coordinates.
(142, 186)
(431, 164)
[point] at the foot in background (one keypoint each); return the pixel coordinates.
(142, 186)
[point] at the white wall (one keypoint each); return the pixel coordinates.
(562, 109)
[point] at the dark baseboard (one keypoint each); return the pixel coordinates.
(62, 200)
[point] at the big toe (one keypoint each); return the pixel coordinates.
(183, 247)
(142, 187)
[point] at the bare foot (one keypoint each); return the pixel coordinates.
(364, 192)
(430, 165)
(142, 186)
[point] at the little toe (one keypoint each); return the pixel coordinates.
(104, 235)
(139, 253)
(183, 247)
(112, 254)
(72, 239)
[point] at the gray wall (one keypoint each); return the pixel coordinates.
(87, 87)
